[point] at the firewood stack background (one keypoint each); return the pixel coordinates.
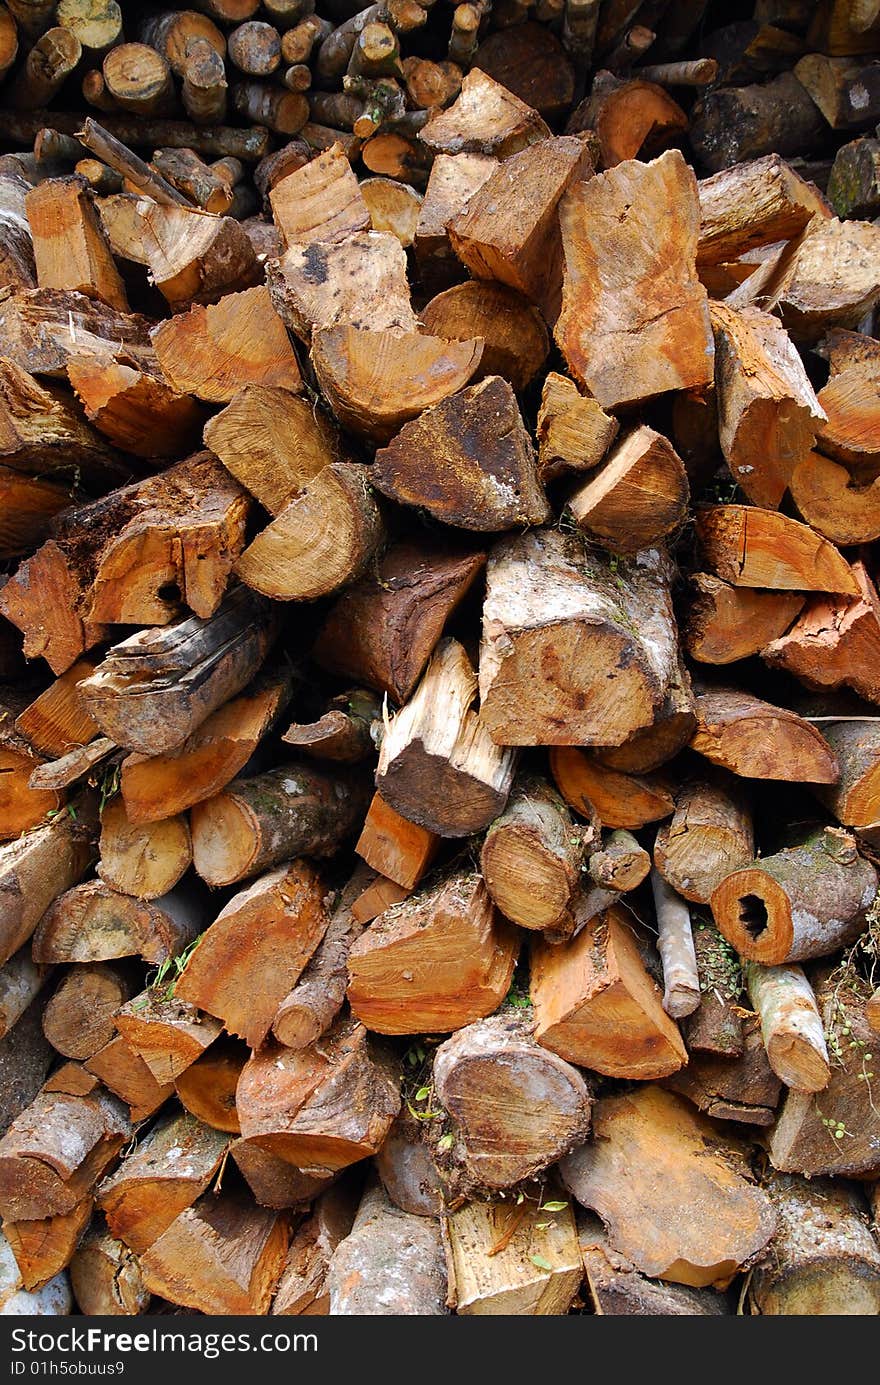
(440, 657)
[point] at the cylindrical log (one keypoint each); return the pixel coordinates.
(391, 1263)
(139, 79)
(675, 943)
(129, 166)
(78, 1019)
(32, 16)
(255, 48)
(204, 90)
(735, 123)
(171, 34)
(710, 835)
(284, 112)
(316, 999)
(185, 171)
(791, 1025)
(716, 1025)
(46, 68)
(96, 23)
(620, 863)
(298, 43)
(94, 91)
(21, 980)
(102, 180)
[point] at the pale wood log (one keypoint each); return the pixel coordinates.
(106, 1278)
(92, 923)
(574, 432)
(21, 980)
(207, 1087)
(675, 943)
(753, 204)
(43, 434)
(850, 433)
(125, 1073)
(394, 207)
(637, 497)
(360, 282)
(754, 739)
(710, 835)
(453, 179)
(56, 720)
(145, 860)
(617, 800)
(171, 31)
(485, 118)
(134, 409)
(70, 249)
(138, 79)
(194, 258)
(319, 202)
(790, 1024)
(508, 1260)
(515, 337)
(54, 1299)
(313, 1003)
(391, 1262)
(619, 862)
(810, 303)
(834, 641)
(619, 1290)
(834, 502)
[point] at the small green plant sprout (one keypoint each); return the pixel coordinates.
(541, 1263)
(445, 1143)
(108, 785)
(169, 972)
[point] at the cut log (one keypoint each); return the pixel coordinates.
(407, 1169)
(805, 901)
(56, 721)
(171, 1167)
(709, 836)
(485, 118)
(322, 1108)
(532, 856)
(834, 641)
(142, 859)
(78, 1019)
(21, 807)
(391, 1263)
(574, 432)
(214, 351)
(438, 765)
(619, 1290)
(383, 630)
(808, 299)
(768, 414)
(653, 746)
(750, 205)
(552, 606)
(195, 258)
(35, 330)
(41, 600)
(743, 1088)
(21, 980)
(845, 91)
(675, 943)
(34, 871)
(320, 201)
(273, 1182)
(273, 443)
(832, 501)
(256, 823)
(54, 1299)
(207, 1088)
(165, 1032)
(160, 786)
(636, 118)
(823, 1260)
(506, 1260)
(52, 1154)
(854, 183)
(376, 381)
(92, 923)
(628, 342)
(203, 90)
(855, 798)
(106, 1278)
(515, 1107)
(170, 34)
(302, 1289)
(126, 1074)
(756, 740)
(41, 432)
(223, 1255)
(516, 341)
(597, 1006)
(343, 734)
(674, 1158)
(70, 249)
(134, 409)
(637, 497)
(724, 623)
(323, 539)
(28, 507)
(790, 1025)
(619, 862)
(453, 179)
(359, 282)
(394, 207)
(618, 800)
(398, 849)
(255, 951)
(315, 1000)
(43, 1248)
(850, 433)
(733, 124)
(25, 1059)
(138, 79)
(155, 688)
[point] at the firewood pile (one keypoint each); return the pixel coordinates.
(440, 657)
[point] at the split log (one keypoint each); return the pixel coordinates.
(532, 856)
(323, 539)
(376, 381)
(808, 302)
(630, 344)
(515, 1107)
(733, 124)
(618, 800)
(256, 823)
(52, 1154)
(34, 871)
(483, 474)
(165, 1032)
(273, 1182)
(142, 859)
(106, 1278)
(43, 434)
(127, 1076)
(134, 409)
(434, 962)
(25, 1059)
(832, 501)
(161, 786)
(768, 415)
(438, 765)
(255, 951)
(675, 1158)
(320, 201)
(846, 92)
(383, 629)
(195, 258)
(223, 1255)
(710, 835)
(850, 433)
(619, 1290)
(724, 623)
(790, 1025)
(743, 1088)
(311, 1006)
(302, 1289)
(44, 1248)
(454, 178)
(398, 849)
(42, 329)
(155, 688)
(654, 745)
(54, 1299)
(21, 981)
(549, 604)
(675, 943)
(359, 282)
(21, 807)
(574, 432)
(78, 1019)
(637, 497)
(92, 923)
(17, 267)
(207, 1087)
(56, 720)
(186, 172)
(597, 1006)
(823, 1260)
(70, 249)
(805, 901)
(855, 798)
(394, 207)
(834, 641)
(343, 734)
(485, 118)
(273, 442)
(214, 351)
(321, 1108)
(392, 1262)
(756, 740)
(171, 1167)
(506, 1260)
(750, 205)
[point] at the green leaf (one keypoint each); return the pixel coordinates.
(541, 1263)
(553, 1207)
(423, 1093)
(445, 1142)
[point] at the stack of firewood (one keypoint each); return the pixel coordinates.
(440, 658)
